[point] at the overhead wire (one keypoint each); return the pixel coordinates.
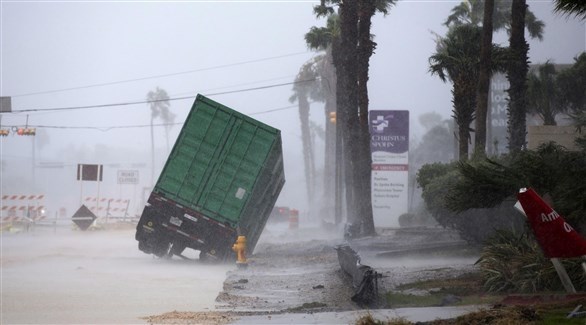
(108, 128)
(159, 76)
(153, 101)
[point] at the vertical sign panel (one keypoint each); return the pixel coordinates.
(497, 136)
(389, 145)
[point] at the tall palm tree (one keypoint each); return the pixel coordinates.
(543, 93)
(457, 60)
(483, 81)
(571, 7)
(343, 58)
(472, 12)
(517, 75)
(325, 39)
(158, 101)
(365, 49)
(351, 61)
(302, 92)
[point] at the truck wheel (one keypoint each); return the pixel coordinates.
(162, 250)
(144, 247)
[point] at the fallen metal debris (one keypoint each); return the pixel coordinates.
(364, 277)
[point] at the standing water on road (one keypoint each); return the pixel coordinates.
(64, 276)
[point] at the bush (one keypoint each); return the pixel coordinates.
(477, 198)
(473, 225)
(512, 262)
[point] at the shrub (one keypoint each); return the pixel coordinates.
(513, 262)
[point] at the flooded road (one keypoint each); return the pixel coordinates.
(64, 276)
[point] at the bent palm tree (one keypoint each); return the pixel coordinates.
(472, 12)
(457, 60)
(483, 81)
(304, 90)
(327, 39)
(158, 101)
(543, 94)
(571, 7)
(517, 74)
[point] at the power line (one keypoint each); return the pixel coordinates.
(108, 128)
(158, 76)
(153, 101)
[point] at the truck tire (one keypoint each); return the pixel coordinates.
(162, 250)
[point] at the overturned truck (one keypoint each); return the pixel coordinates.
(221, 180)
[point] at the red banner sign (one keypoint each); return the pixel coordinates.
(555, 236)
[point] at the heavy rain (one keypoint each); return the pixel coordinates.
(274, 162)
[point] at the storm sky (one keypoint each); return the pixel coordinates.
(64, 54)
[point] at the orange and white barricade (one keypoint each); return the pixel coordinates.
(22, 207)
(108, 207)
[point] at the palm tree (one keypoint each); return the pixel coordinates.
(457, 60)
(543, 94)
(572, 85)
(326, 39)
(365, 49)
(483, 81)
(472, 12)
(158, 101)
(352, 61)
(517, 75)
(343, 57)
(569, 7)
(302, 92)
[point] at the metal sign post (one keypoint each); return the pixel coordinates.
(555, 236)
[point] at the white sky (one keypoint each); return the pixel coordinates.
(56, 45)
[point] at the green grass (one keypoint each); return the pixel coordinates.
(467, 287)
(556, 317)
(307, 305)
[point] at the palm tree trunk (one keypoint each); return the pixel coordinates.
(364, 157)
(517, 74)
(306, 142)
(329, 161)
(464, 105)
(330, 142)
(340, 185)
(483, 82)
(348, 101)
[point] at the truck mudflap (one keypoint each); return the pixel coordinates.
(167, 228)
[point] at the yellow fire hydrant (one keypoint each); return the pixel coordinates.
(240, 248)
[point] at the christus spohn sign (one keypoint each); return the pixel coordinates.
(389, 145)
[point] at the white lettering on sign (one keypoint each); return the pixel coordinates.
(567, 227)
(549, 217)
(128, 177)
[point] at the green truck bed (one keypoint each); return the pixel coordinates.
(221, 180)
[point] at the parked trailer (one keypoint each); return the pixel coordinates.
(221, 180)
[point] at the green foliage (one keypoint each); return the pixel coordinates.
(571, 7)
(472, 12)
(474, 224)
(457, 59)
(551, 169)
(369, 320)
(511, 262)
(572, 84)
(543, 93)
(477, 198)
(436, 145)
